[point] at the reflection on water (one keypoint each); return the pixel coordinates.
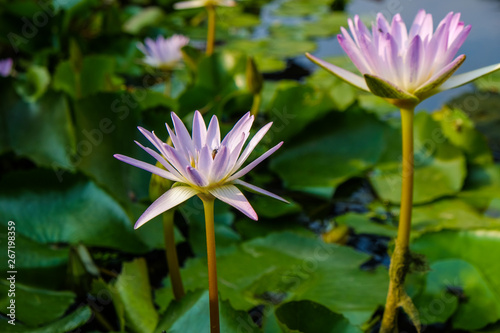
(482, 47)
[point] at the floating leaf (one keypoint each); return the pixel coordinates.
(286, 265)
(342, 145)
(66, 324)
(104, 122)
(42, 131)
(461, 132)
(72, 211)
(191, 314)
(34, 84)
(134, 296)
(310, 317)
(476, 277)
(35, 307)
(439, 166)
(146, 17)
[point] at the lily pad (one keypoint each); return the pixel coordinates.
(289, 266)
(42, 131)
(133, 297)
(456, 289)
(37, 264)
(302, 7)
(75, 210)
(341, 93)
(66, 324)
(310, 317)
(477, 277)
(440, 167)
(449, 214)
(36, 307)
(461, 132)
(191, 314)
(106, 125)
(481, 185)
(34, 83)
(363, 225)
(340, 146)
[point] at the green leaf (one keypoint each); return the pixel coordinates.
(35, 307)
(106, 125)
(134, 295)
(456, 289)
(461, 132)
(310, 317)
(271, 208)
(37, 264)
(339, 146)
(477, 277)
(341, 93)
(42, 131)
(377, 105)
(481, 185)
(72, 211)
(149, 16)
(440, 167)
(66, 79)
(363, 225)
(278, 48)
(288, 108)
(302, 7)
(191, 314)
(449, 214)
(289, 266)
(34, 84)
(324, 26)
(67, 324)
(97, 74)
(219, 77)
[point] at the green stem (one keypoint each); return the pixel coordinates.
(208, 204)
(400, 257)
(257, 99)
(211, 29)
(171, 253)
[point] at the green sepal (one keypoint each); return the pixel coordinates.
(385, 89)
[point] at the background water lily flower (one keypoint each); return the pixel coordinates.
(163, 53)
(5, 67)
(405, 65)
(204, 3)
(202, 164)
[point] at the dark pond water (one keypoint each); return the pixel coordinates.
(482, 47)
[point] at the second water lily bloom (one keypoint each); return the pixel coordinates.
(163, 53)
(404, 65)
(5, 67)
(202, 164)
(204, 3)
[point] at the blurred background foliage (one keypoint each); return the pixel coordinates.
(76, 96)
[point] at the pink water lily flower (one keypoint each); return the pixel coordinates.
(203, 164)
(163, 53)
(204, 3)
(5, 67)
(404, 65)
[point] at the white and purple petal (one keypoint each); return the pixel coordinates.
(168, 200)
(232, 196)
